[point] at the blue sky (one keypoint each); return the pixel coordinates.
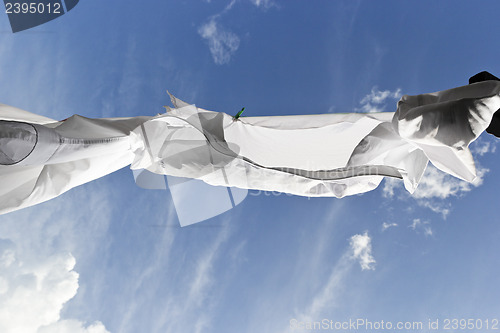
(110, 256)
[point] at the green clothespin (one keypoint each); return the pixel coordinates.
(238, 114)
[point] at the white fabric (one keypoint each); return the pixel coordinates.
(311, 155)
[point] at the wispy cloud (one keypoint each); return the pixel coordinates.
(73, 326)
(434, 188)
(195, 304)
(330, 292)
(147, 274)
(421, 226)
(390, 186)
(437, 187)
(361, 248)
(203, 277)
(483, 146)
(376, 99)
(222, 42)
(310, 263)
(327, 258)
(439, 207)
(386, 225)
(440, 185)
(264, 3)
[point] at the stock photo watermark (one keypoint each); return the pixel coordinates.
(363, 324)
(256, 193)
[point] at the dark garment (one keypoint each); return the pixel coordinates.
(494, 127)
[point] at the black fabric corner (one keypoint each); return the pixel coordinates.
(483, 76)
(494, 127)
(38, 13)
(70, 4)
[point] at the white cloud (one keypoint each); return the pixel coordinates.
(37, 276)
(386, 225)
(221, 42)
(374, 101)
(418, 225)
(362, 250)
(34, 289)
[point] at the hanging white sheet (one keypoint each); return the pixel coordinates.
(311, 155)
